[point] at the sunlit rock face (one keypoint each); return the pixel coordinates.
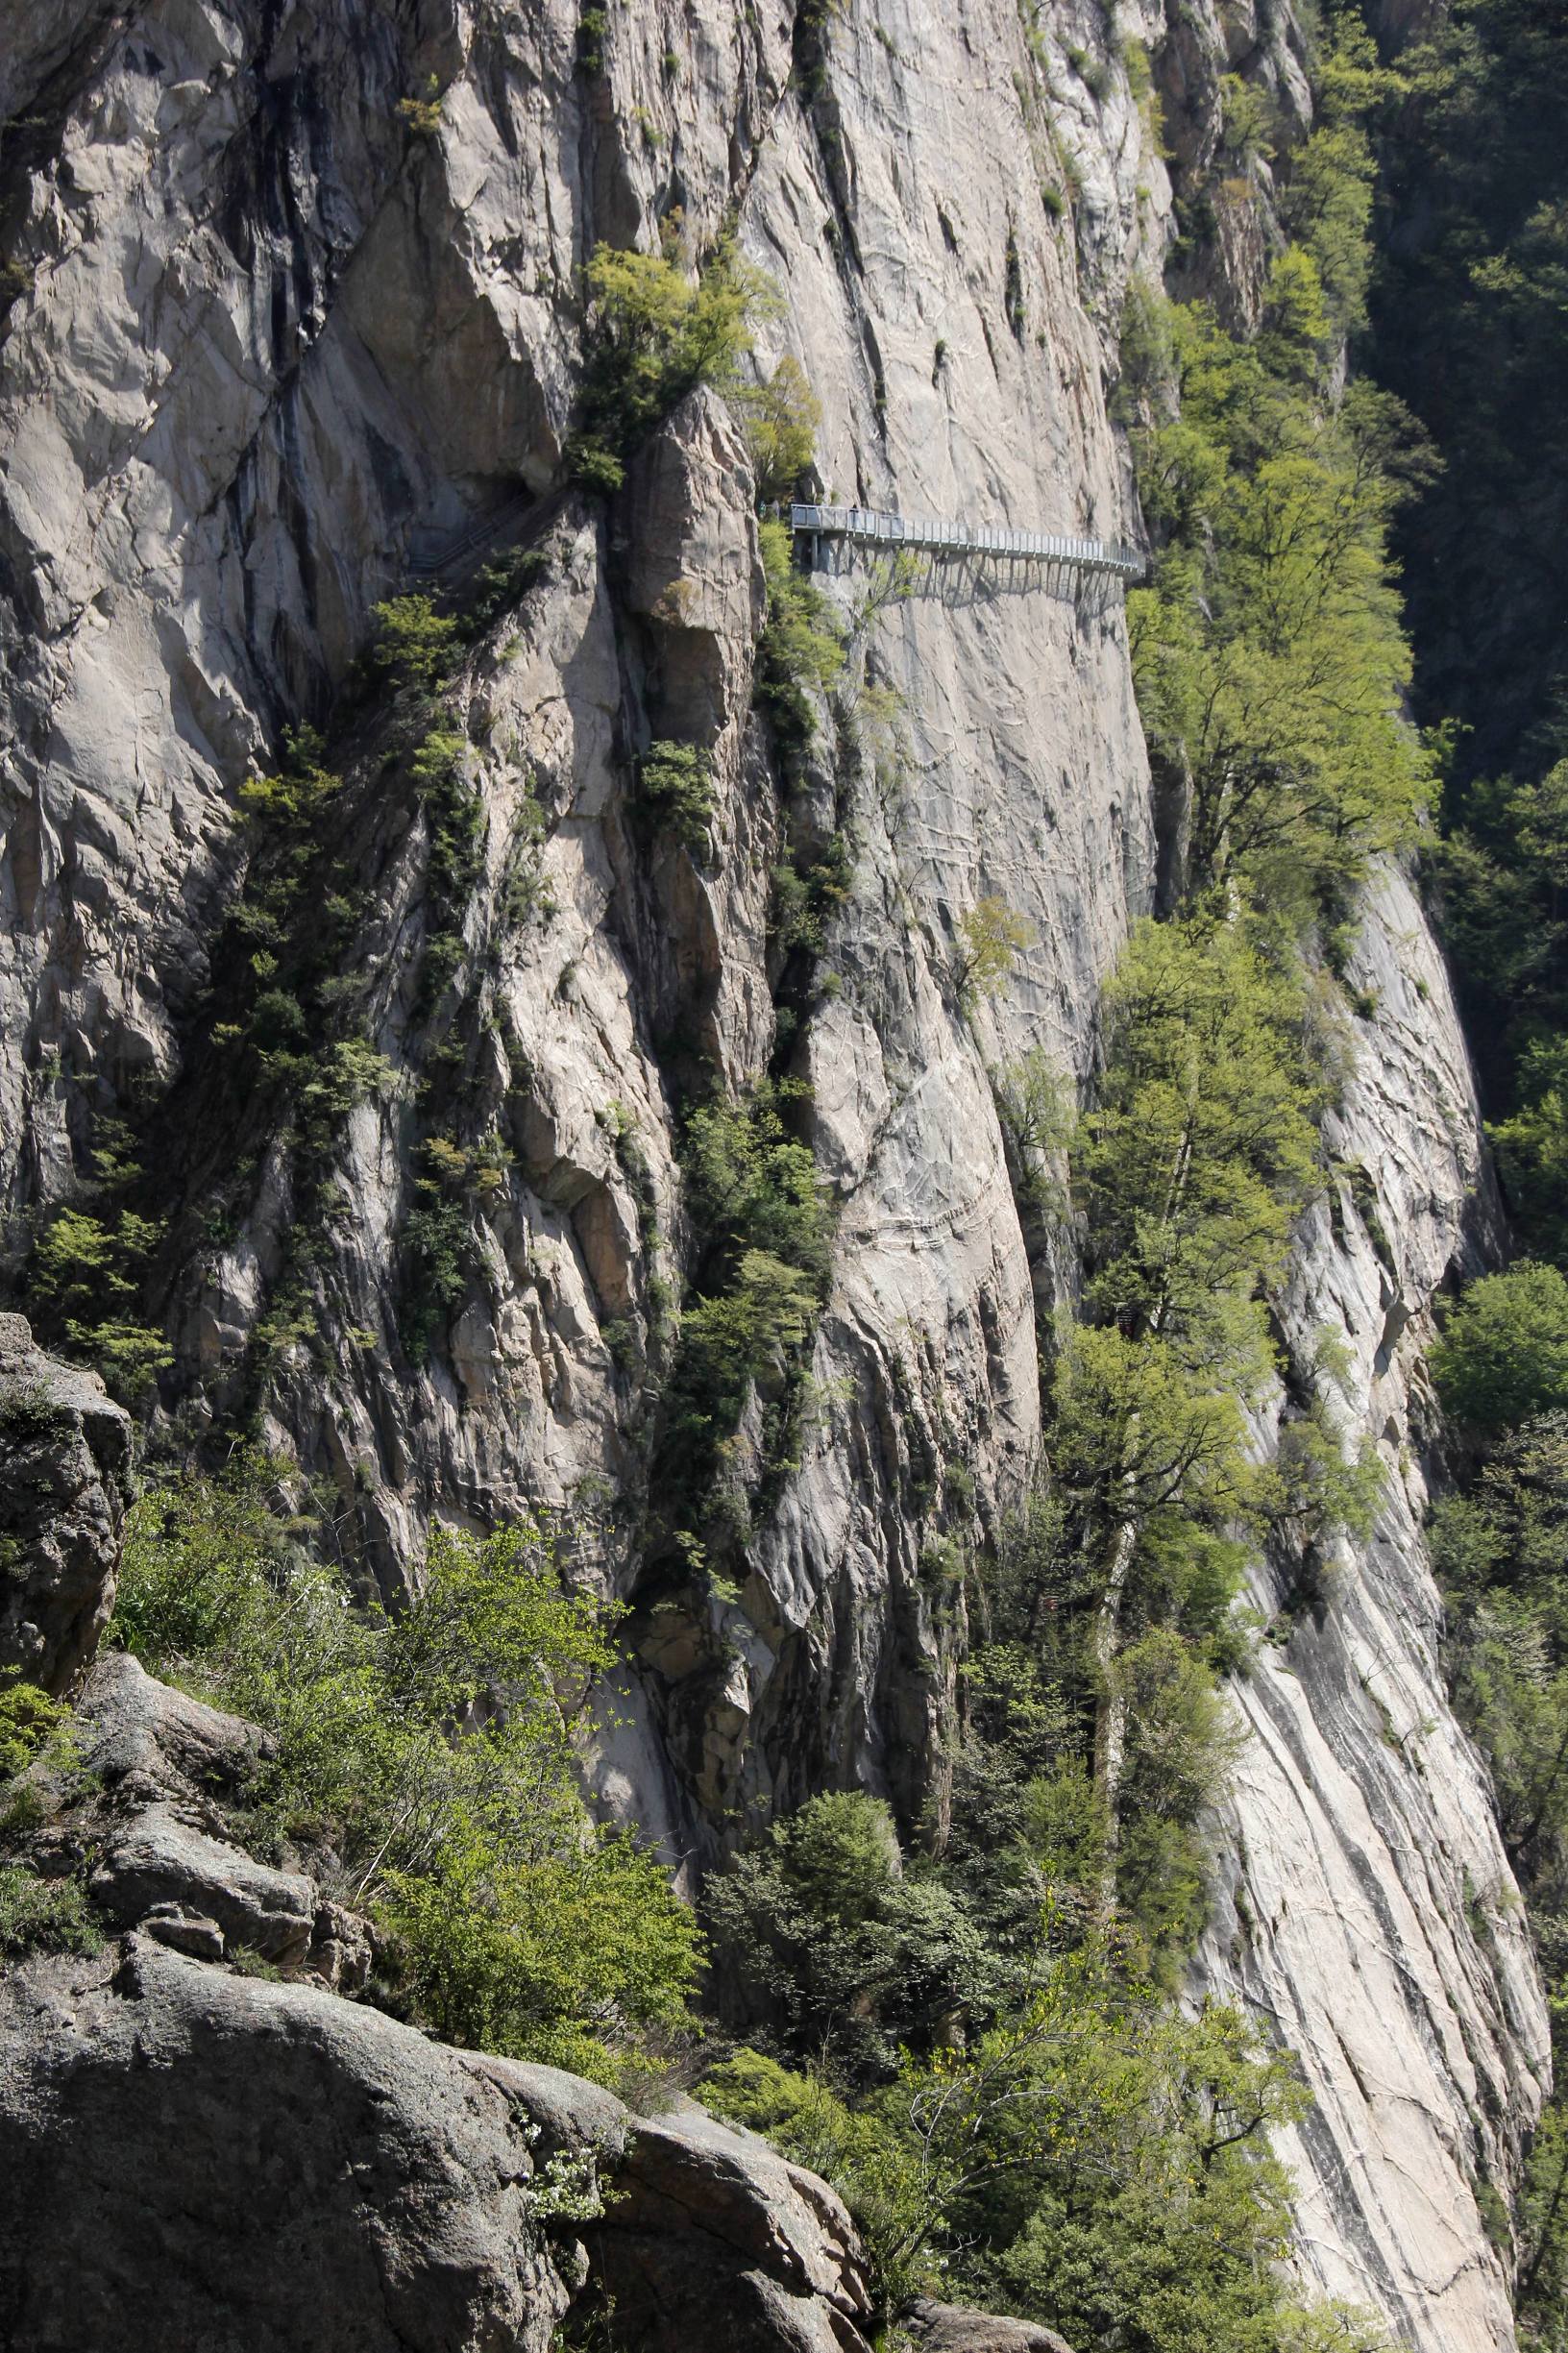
(277, 337)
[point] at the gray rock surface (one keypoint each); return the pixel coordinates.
(267, 337)
(194, 2158)
(1366, 1914)
(162, 1772)
(953, 2328)
(191, 2158)
(706, 2224)
(64, 1481)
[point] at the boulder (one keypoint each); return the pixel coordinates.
(953, 2328)
(160, 1769)
(64, 1482)
(194, 2154)
(711, 2237)
(191, 2158)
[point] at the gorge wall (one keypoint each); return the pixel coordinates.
(270, 338)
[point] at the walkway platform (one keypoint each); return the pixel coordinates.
(862, 526)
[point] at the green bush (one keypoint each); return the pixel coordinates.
(782, 416)
(822, 1937)
(992, 936)
(1091, 2161)
(591, 26)
(38, 1915)
(1268, 651)
(675, 787)
(29, 1721)
(800, 655)
(85, 1275)
(416, 645)
(427, 1764)
(765, 1224)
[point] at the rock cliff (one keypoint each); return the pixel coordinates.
(283, 324)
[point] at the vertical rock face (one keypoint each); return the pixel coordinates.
(1366, 1907)
(272, 336)
(64, 1480)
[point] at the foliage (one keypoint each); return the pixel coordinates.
(426, 1761)
(1269, 652)
(591, 26)
(415, 644)
(800, 655)
(1326, 204)
(86, 1280)
(43, 1915)
(1501, 1550)
(423, 114)
(675, 786)
(848, 1954)
(766, 1222)
(992, 936)
(654, 334)
(89, 1270)
(1502, 869)
(30, 1720)
(1092, 2159)
(1503, 1356)
(782, 415)
(1185, 1173)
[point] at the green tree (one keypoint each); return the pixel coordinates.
(1188, 1171)
(824, 1935)
(1093, 2159)
(1503, 1355)
(654, 333)
(800, 655)
(782, 415)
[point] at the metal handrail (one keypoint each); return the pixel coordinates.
(864, 527)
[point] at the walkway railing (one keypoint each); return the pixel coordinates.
(430, 557)
(862, 526)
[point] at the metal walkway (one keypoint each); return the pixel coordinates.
(861, 527)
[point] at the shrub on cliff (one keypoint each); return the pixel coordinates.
(426, 1762)
(1090, 2160)
(821, 1935)
(800, 655)
(654, 334)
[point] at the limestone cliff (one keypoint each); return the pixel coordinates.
(274, 337)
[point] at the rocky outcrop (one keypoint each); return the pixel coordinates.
(953, 2328)
(193, 2157)
(202, 2143)
(152, 1788)
(64, 1482)
(707, 2235)
(164, 1765)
